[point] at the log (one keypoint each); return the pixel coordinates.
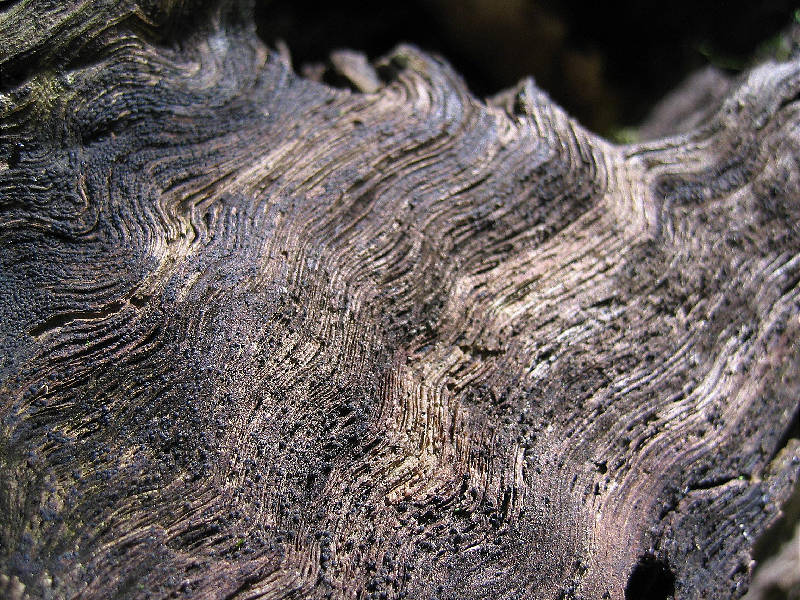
(269, 337)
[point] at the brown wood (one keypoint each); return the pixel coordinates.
(262, 337)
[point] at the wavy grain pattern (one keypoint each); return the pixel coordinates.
(263, 337)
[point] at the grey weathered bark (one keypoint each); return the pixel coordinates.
(267, 338)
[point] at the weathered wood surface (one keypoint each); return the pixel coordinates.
(267, 338)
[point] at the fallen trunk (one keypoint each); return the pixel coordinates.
(263, 337)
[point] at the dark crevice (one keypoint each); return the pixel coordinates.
(62, 319)
(792, 432)
(246, 585)
(790, 100)
(480, 352)
(651, 579)
(139, 300)
(713, 482)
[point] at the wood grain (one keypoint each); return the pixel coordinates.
(265, 337)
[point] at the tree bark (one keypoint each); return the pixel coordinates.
(264, 337)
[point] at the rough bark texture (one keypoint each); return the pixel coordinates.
(263, 337)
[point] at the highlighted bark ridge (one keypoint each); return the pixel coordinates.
(267, 337)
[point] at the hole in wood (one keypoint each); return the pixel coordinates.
(651, 579)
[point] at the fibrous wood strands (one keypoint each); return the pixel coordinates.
(263, 337)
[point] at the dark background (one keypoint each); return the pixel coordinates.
(607, 63)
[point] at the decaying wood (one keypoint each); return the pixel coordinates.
(263, 337)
